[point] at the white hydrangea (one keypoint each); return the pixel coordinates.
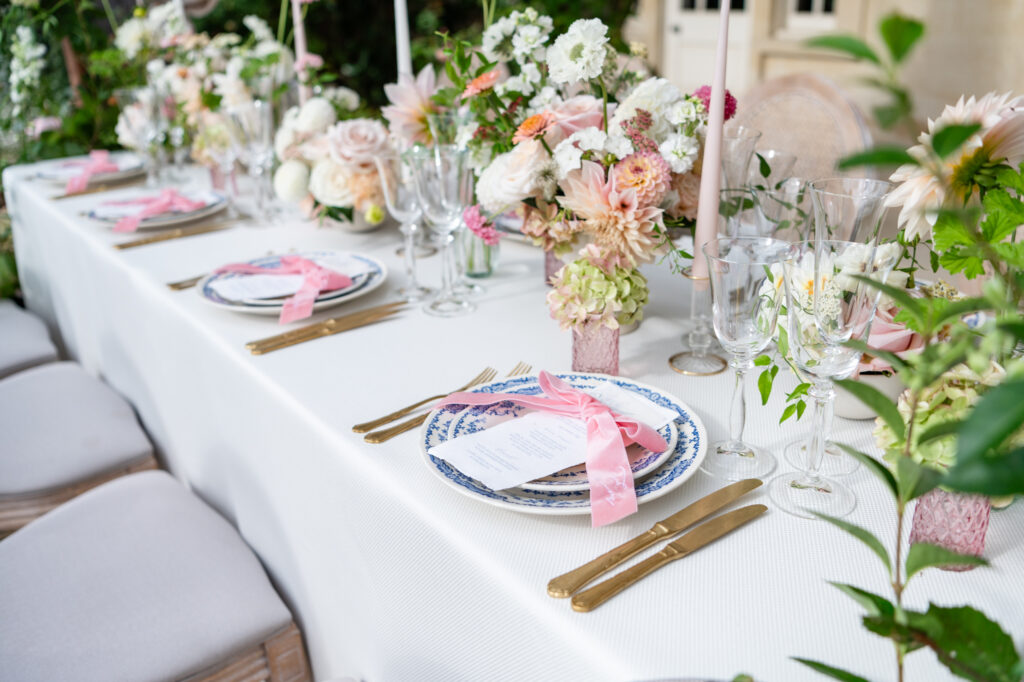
(680, 151)
(686, 111)
(528, 43)
(589, 139)
(656, 96)
(259, 28)
(514, 84)
(26, 67)
(568, 157)
(132, 37)
(579, 53)
(497, 40)
(618, 145)
(546, 98)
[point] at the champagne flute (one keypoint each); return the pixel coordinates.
(253, 133)
(400, 195)
(139, 120)
(746, 291)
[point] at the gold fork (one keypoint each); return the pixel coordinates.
(487, 374)
(387, 434)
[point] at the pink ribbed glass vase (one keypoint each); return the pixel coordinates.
(955, 521)
(595, 349)
(552, 264)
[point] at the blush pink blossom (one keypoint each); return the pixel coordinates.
(410, 104)
(704, 95)
(308, 61)
(478, 225)
(575, 114)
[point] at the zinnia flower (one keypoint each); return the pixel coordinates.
(645, 173)
(533, 126)
(410, 104)
(481, 83)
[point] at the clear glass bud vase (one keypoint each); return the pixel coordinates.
(481, 258)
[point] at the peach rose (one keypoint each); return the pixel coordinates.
(354, 143)
(575, 113)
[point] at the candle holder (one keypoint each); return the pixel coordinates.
(698, 361)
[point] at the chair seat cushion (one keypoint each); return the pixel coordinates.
(26, 342)
(134, 580)
(61, 426)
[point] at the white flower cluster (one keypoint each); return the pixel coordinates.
(569, 153)
(160, 25)
(520, 36)
(579, 53)
(26, 67)
(677, 121)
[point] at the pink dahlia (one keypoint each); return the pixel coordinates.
(647, 173)
(704, 95)
(410, 103)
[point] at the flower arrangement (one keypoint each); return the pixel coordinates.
(583, 293)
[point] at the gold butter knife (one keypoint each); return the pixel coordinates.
(177, 234)
(567, 583)
(316, 328)
(360, 321)
(590, 599)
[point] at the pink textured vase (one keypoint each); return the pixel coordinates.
(595, 349)
(552, 264)
(955, 521)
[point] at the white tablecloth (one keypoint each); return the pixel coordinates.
(392, 574)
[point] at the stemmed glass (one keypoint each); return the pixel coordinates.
(846, 209)
(140, 114)
(780, 166)
(826, 306)
(738, 144)
(737, 209)
(253, 124)
(443, 182)
(400, 195)
(220, 140)
(786, 209)
(746, 294)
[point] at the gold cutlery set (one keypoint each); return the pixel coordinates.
(568, 584)
(318, 330)
(179, 232)
(384, 435)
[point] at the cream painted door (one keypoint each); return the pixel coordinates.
(690, 39)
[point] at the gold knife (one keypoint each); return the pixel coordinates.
(566, 584)
(177, 233)
(590, 599)
(325, 331)
(316, 328)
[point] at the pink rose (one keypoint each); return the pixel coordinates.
(575, 113)
(355, 143)
(891, 336)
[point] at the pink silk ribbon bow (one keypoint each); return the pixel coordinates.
(315, 280)
(99, 162)
(168, 200)
(612, 495)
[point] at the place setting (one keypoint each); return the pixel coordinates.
(100, 171)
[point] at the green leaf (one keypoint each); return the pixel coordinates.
(939, 431)
(874, 466)
(957, 309)
(788, 412)
(878, 156)
(879, 402)
(952, 137)
(922, 555)
(1007, 177)
(957, 261)
(971, 645)
(763, 166)
(834, 673)
(895, 361)
(950, 231)
(764, 383)
(1001, 475)
(915, 479)
(913, 305)
(874, 604)
(847, 44)
(1004, 214)
(900, 33)
(1013, 254)
(998, 414)
(888, 115)
(762, 360)
(864, 535)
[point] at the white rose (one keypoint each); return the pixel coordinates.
(511, 177)
(291, 181)
(655, 96)
(355, 143)
(329, 184)
(284, 138)
(346, 98)
(315, 116)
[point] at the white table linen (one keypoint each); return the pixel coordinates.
(391, 574)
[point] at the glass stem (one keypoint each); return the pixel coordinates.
(699, 337)
(823, 395)
(738, 411)
(446, 268)
(410, 256)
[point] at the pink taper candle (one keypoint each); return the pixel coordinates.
(711, 167)
(402, 38)
(305, 92)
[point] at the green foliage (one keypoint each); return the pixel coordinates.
(922, 555)
(847, 44)
(8, 268)
(900, 35)
(878, 156)
(830, 671)
(947, 140)
(877, 401)
(970, 645)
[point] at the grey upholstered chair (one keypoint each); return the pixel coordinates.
(138, 580)
(63, 432)
(24, 341)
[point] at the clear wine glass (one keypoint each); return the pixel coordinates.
(826, 306)
(253, 128)
(400, 195)
(780, 168)
(786, 209)
(738, 144)
(443, 182)
(746, 293)
(220, 140)
(141, 116)
(738, 214)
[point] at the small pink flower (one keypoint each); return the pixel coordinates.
(704, 95)
(479, 226)
(481, 83)
(308, 61)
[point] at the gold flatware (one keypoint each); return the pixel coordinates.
(105, 187)
(568, 583)
(387, 434)
(590, 599)
(177, 234)
(342, 324)
(185, 283)
(315, 329)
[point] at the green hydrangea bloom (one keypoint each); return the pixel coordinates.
(583, 292)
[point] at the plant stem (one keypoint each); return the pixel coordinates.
(604, 103)
(111, 19)
(282, 21)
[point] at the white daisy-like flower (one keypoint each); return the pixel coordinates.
(579, 53)
(567, 156)
(259, 28)
(546, 98)
(497, 40)
(618, 145)
(680, 151)
(527, 43)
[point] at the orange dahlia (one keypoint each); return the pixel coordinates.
(484, 81)
(534, 126)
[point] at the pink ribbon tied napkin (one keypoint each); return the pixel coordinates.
(99, 162)
(316, 279)
(168, 200)
(612, 495)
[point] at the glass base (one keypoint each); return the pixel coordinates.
(795, 494)
(421, 251)
(694, 364)
(448, 307)
(834, 463)
(723, 461)
(415, 294)
(466, 288)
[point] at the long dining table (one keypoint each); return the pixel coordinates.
(392, 574)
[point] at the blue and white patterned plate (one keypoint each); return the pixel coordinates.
(361, 284)
(682, 463)
(641, 460)
(213, 203)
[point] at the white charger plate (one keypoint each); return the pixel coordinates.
(682, 463)
(361, 284)
(215, 203)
